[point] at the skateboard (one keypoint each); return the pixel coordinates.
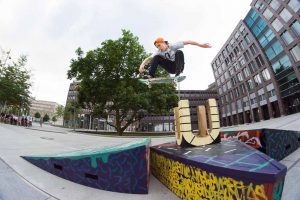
(161, 80)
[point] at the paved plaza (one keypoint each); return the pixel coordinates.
(22, 180)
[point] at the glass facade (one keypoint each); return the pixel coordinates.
(273, 48)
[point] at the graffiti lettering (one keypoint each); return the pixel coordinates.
(189, 182)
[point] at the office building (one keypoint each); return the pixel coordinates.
(257, 69)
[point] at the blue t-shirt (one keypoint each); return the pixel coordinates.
(170, 52)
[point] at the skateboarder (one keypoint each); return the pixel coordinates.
(168, 56)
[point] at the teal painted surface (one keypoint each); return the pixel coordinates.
(96, 153)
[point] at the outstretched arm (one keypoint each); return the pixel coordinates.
(145, 62)
(205, 45)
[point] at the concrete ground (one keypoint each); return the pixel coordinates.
(22, 180)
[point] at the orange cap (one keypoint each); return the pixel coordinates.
(159, 40)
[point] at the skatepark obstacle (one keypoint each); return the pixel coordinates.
(120, 168)
(207, 134)
(226, 170)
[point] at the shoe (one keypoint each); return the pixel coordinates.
(177, 73)
(147, 76)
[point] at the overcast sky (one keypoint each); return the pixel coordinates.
(49, 32)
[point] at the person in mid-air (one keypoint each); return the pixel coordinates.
(168, 56)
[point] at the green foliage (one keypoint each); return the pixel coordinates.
(59, 111)
(15, 85)
(109, 82)
(46, 118)
(37, 115)
(54, 119)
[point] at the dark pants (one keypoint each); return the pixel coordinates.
(172, 67)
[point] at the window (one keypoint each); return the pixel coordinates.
(271, 93)
(231, 71)
(236, 66)
(237, 92)
(242, 29)
(296, 53)
(266, 74)
(226, 75)
(285, 15)
(253, 100)
(287, 38)
(259, 5)
(275, 4)
(234, 81)
(282, 64)
(251, 17)
(241, 61)
(224, 88)
(296, 27)
(259, 61)
(247, 39)
(247, 55)
(266, 37)
(274, 50)
(288, 81)
(252, 67)
(242, 45)
(242, 88)
(229, 85)
(267, 14)
(261, 97)
(222, 79)
(246, 72)
(223, 66)
(232, 42)
(237, 35)
(277, 25)
(240, 77)
(250, 84)
(231, 56)
(253, 49)
(236, 51)
(295, 5)
(257, 80)
(224, 53)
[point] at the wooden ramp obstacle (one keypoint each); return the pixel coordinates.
(207, 133)
(120, 168)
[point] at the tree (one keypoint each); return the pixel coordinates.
(37, 115)
(54, 119)
(59, 111)
(46, 118)
(15, 85)
(109, 82)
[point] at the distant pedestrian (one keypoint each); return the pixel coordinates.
(41, 121)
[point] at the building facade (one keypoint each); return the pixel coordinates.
(166, 123)
(150, 122)
(257, 69)
(43, 107)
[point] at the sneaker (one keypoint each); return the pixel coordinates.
(147, 76)
(177, 73)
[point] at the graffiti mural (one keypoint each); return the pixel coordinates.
(121, 168)
(228, 170)
(250, 137)
(274, 142)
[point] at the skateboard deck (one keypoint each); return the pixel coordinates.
(161, 80)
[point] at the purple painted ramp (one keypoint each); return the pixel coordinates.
(228, 170)
(121, 168)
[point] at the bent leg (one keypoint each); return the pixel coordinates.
(179, 61)
(160, 61)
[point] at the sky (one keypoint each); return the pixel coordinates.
(49, 31)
